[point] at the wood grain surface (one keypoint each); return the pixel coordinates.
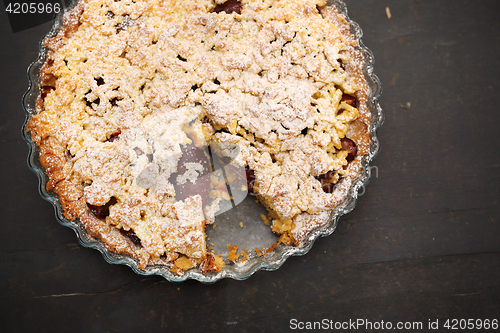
(422, 244)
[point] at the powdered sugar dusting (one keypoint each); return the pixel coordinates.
(128, 77)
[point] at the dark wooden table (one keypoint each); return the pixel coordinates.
(423, 243)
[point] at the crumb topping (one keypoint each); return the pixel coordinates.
(133, 93)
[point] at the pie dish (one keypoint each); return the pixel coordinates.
(149, 121)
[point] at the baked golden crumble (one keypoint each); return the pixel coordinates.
(138, 96)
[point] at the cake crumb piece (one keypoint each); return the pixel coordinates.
(271, 248)
(181, 265)
(241, 224)
(232, 252)
(285, 239)
(212, 263)
(244, 256)
(388, 12)
(264, 218)
(234, 256)
(184, 263)
(262, 251)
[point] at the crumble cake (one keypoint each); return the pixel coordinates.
(153, 115)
